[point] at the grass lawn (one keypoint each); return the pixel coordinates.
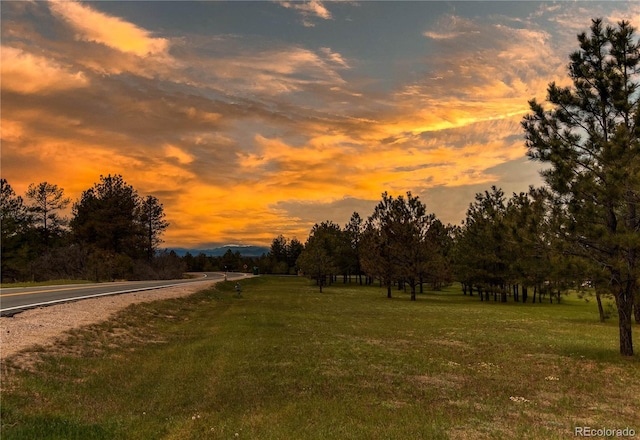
(286, 362)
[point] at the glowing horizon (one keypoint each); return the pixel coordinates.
(251, 120)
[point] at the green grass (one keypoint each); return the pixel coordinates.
(285, 361)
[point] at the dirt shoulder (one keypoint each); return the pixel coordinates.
(43, 326)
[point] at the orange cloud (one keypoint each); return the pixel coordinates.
(238, 213)
(180, 155)
(94, 26)
(24, 72)
(11, 130)
(290, 171)
(327, 167)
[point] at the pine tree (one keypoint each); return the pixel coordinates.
(590, 140)
(47, 198)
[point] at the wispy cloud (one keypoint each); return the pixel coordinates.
(450, 27)
(308, 9)
(94, 26)
(240, 68)
(25, 72)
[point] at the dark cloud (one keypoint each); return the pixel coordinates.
(338, 211)
(450, 204)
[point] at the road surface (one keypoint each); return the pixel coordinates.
(17, 299)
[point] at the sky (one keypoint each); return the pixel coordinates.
(253, 119)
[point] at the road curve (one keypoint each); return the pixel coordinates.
(17, 299)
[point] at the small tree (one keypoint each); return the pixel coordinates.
(319, 257)
(231, 260)
(409, 226)
(46, 199)
(354, 230)
(294, 249)
(278, 255)
(482, 254)
(13, 213)
(376, 257)
(152, 217)
(439, 246)
(15, 224)
(530, 233)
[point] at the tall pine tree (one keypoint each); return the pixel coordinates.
(590, 139)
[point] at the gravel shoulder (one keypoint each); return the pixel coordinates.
(43, 326)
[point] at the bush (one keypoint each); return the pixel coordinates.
(62, 263)
(108, 266)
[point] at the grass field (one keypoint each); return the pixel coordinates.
(286, 362)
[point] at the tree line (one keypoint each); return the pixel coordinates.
(399, 244)
(114, 233)
(503, 249)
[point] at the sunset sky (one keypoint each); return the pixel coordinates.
(253, 119)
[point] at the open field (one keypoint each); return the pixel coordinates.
(285, 361)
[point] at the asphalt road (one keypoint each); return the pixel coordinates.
(17, 299)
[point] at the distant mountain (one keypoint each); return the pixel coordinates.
(245, 251)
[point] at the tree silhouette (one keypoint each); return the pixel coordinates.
(152, 217)
(106, 217)
(46, 199)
